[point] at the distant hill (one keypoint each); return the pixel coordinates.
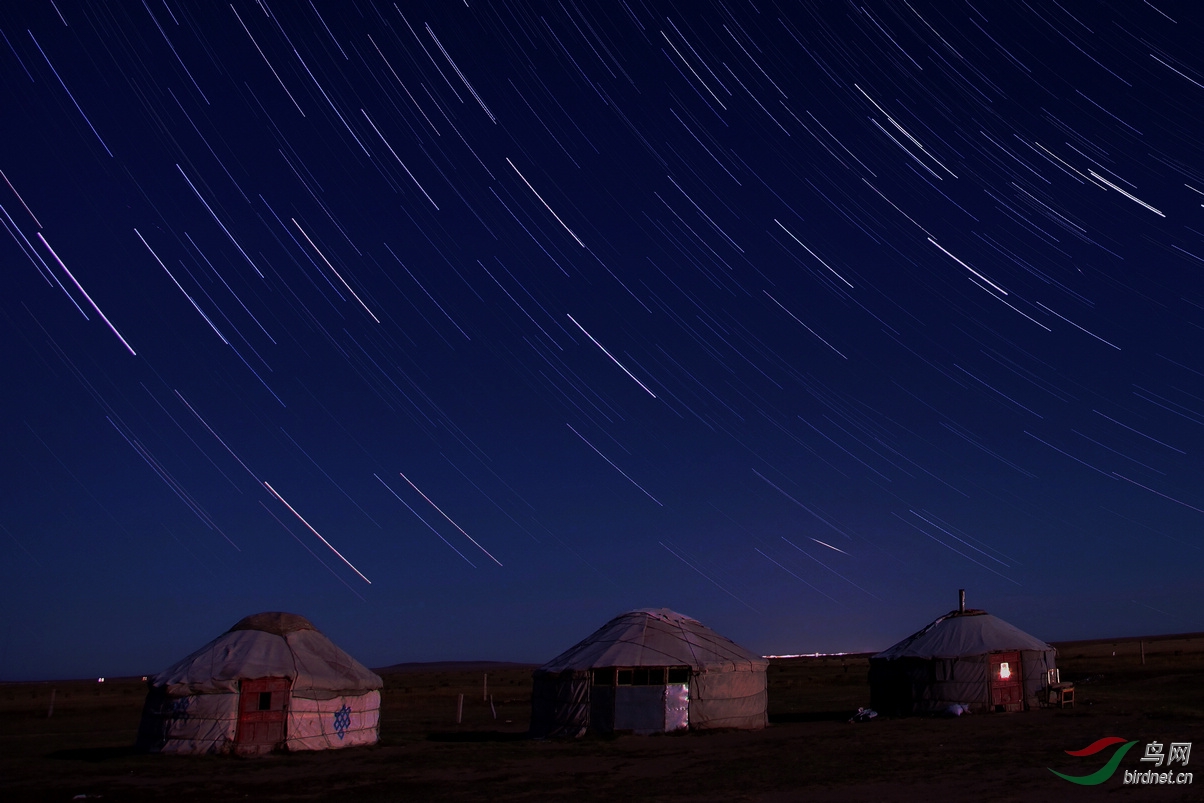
(451, 666)
(1186, 638)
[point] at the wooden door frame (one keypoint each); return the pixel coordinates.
(247, 715)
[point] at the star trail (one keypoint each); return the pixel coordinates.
(643, 296)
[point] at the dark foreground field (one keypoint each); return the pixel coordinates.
(810, 752)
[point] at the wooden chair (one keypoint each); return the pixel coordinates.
(1057, 692)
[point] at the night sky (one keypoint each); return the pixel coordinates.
(462, 327)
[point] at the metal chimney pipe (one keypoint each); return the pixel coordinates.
(961, 600)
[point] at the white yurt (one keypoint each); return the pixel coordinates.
(271, 682)
(966, 659)
(649, 671)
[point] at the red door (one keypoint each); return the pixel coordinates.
(1007, 682)
(262, 708)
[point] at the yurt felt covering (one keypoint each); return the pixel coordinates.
(947, 663)
(193, 705)
(720, 684)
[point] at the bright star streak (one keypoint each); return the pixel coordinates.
(310, 551)
(68, 91)
(214, 434)
(707, 576)
(612, 465)
(805, 326)
(967, 267)
(812, 253)
(545, 204)
(792, 574)
(962, 540)
(449, 518)
(462, 78)
(1076, 326)
(85, 292)
(1159, 493)
(398, 158)
(829, 568)
(424, 521)
(315, 532)
(612, 357)
(181, 289)
(31, 251)
(1130, 196)
(265, 60)
(829, 546)
(336, 273)
(952, 549)
(219, 222)
(19, 198)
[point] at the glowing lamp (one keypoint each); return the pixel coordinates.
(1004, 671)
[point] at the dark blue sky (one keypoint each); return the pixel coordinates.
(461, 327)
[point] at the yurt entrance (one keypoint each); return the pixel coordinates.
(262, 709)
(1007, 682)
(641, 699)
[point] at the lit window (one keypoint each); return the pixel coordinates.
(1004, 671)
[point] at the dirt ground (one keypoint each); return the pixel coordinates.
(810, 751)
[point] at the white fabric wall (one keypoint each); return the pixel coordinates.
(728, 700)
(208, 723)
(200, 723)
(319, 725)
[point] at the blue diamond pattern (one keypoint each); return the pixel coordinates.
(342, 721)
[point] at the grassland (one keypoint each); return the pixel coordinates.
(810, 751)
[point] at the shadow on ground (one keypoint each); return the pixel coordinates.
(477, 736)
(94, 754)
(811, 716)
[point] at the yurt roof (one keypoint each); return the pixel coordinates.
(656, 637)
(964, 633)
(272, 644)
(278, 623)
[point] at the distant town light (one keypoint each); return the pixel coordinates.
(100, 680)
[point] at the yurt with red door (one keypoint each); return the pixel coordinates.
(966, 661)
(271, 682)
